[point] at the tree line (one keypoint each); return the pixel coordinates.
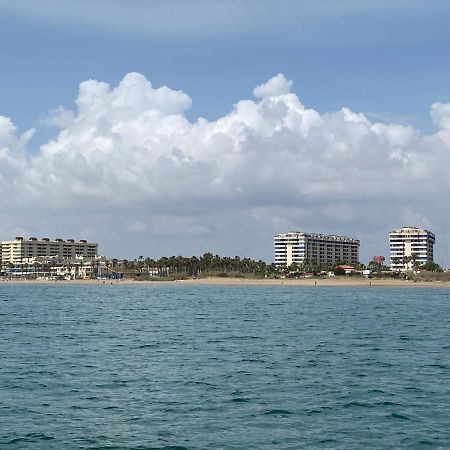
(193, 266)
(209, 264)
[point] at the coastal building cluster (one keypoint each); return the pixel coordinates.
(46, 258)
(410, 247)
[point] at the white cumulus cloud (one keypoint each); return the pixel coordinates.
(59, 117)
(130, 170)
(278, 85)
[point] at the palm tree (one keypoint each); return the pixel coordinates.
(415, 261)
(162, 265)
(24, 268)
(35, 267)
(206, 261)
(395, 261)
(194, 264)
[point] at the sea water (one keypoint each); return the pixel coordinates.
(223, 367)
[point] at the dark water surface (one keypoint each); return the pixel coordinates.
(211, 367)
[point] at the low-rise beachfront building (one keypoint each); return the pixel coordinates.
(18, 249)
(58, 268)
(319, 249)
(410, 247)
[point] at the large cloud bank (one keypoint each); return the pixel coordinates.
(130, 170)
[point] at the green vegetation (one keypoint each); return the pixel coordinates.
(380, 270)
(431, 267)
(424, 275)
(207, 265)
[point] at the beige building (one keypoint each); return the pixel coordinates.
(408, 244)
(318, 249)
(17, 250)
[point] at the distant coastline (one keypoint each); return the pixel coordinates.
(219, 281)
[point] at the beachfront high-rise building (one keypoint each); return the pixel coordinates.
(410, 246)
(17, 250)
(299, 247)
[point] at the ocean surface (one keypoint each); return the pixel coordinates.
(223, 367)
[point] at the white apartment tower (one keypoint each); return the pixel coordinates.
(408, 242)
(19, 249)
(298, 247)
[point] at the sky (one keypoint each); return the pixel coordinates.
(178, 127)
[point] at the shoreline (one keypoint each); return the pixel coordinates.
(218, 281)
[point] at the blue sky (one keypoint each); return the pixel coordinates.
(388, 60)
(375, 59)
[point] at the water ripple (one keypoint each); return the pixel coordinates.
(188, 367)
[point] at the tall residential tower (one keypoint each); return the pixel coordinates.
(299, 247)
(409, 244)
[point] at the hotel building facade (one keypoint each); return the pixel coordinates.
(299, 247)
(406, 242)
(20, 249)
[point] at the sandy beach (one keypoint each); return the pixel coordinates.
(304, 282)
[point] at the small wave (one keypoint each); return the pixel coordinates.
(140, 447)
(388, 403)
(357, 404)
(240, 400)
(413, 388)
(133, 419)
(312, 412)
(398, 416)
(424, 442)
(278, 412)
(200, 383)
(107, 447)
(171, 447)
(32, 437)
(438, 366)
(18, 440)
